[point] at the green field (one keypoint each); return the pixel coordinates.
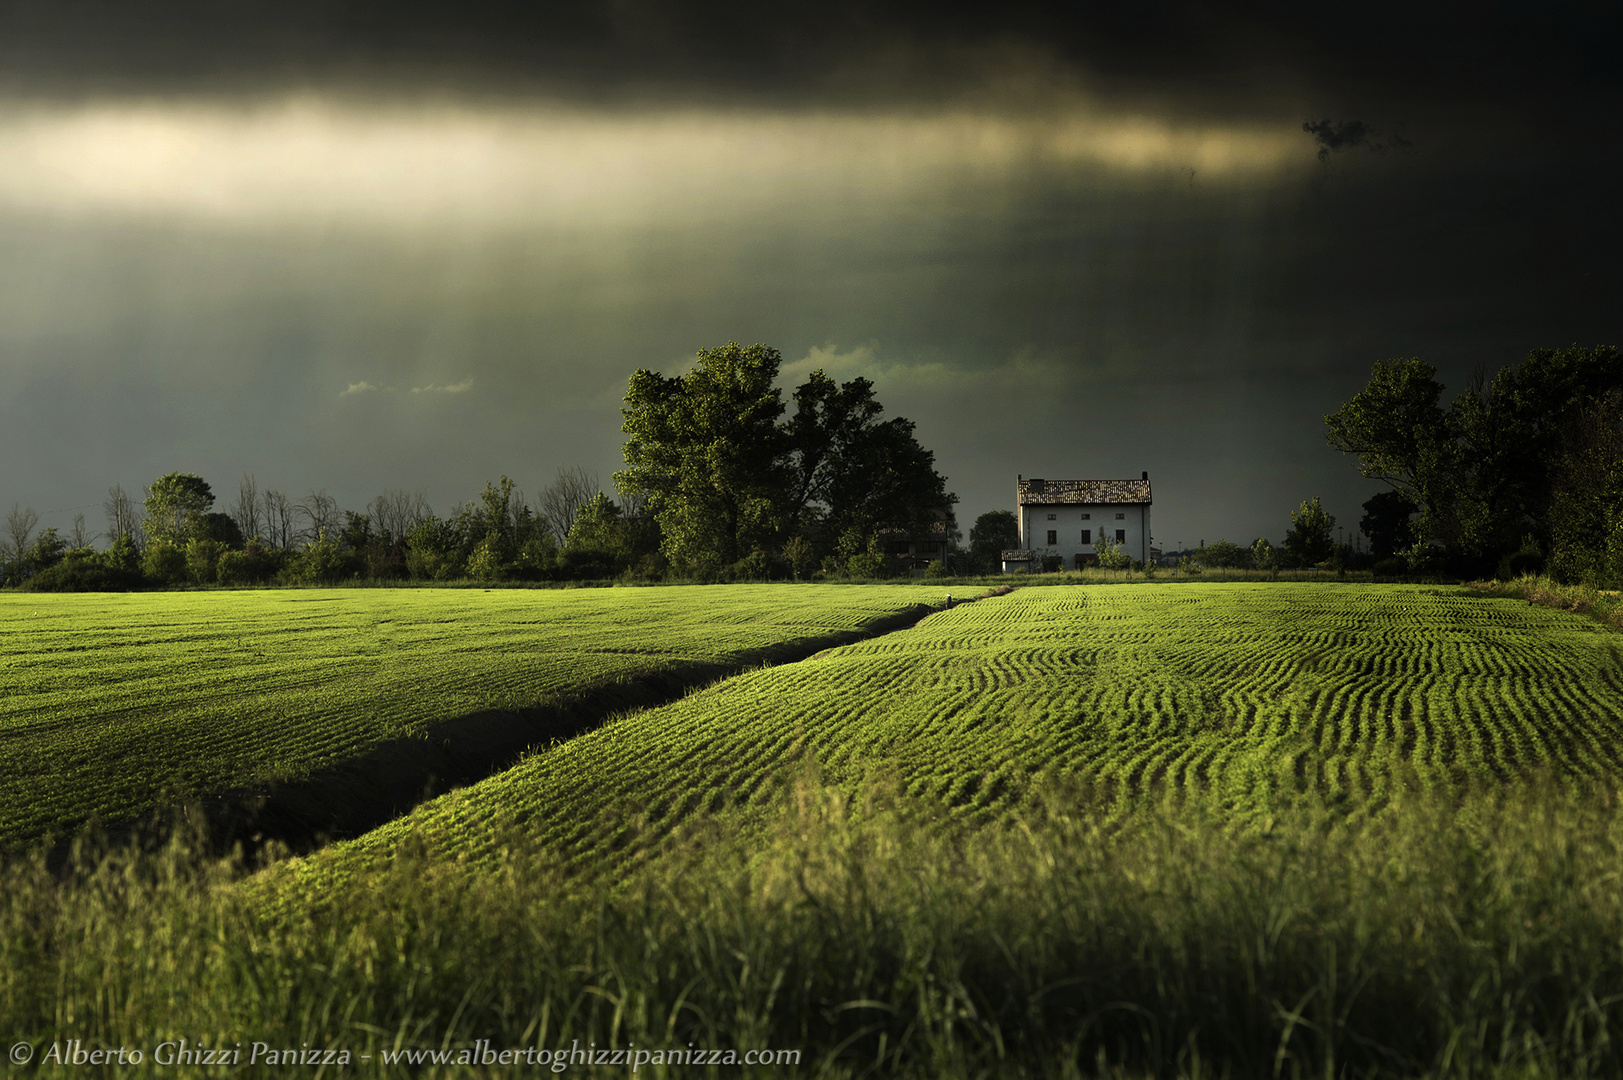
(115, 705)
(1251, 829)
(1249, 695)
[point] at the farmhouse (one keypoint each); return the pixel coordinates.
(1065, 518)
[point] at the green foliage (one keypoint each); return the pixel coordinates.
(433, 552)
(537, 558)
(1224, 555)
(1111, 555)
(83, 570)
(321, 562)
(801, 556)
(870, 562)
(489, 560)
(1587, 513)
(723, 475)
(177, 505)
(164, 563)
(203, 559)
(253, 565)
(1308, 541)
(1485, 470)
(47, 550)
(706, 451)
(756, 566)
(221, 529)
(1263, 555)
(993, 532)
(936, 570)
(123, 557)
(848, 470)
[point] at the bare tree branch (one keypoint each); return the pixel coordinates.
(278, 517)
(320, 510)
(562, 499)
(246, 510)
(123, 519)
(19, 527)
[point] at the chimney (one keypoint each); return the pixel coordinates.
(1146, 474)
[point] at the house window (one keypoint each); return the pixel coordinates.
(1085, 517)
(1053, 517)
(1121, 517)
(1121, 536)
(1053, 537)
(1087, 534)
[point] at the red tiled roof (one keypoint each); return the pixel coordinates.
(1072, 492)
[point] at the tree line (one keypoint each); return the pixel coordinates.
(719, 484)
(1520, 470)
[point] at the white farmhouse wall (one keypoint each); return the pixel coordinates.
(1069, 521)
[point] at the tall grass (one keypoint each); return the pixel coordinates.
(1604, 606)
(877, 940)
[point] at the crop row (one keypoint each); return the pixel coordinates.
(113, 705)
(1251, 694)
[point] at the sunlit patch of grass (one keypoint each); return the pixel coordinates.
(877, 937)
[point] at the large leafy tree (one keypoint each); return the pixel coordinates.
(724, 473)
(850, 471)
(177, 505)
(706, 453)
(1481, 471)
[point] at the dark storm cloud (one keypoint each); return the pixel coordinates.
(239, 236)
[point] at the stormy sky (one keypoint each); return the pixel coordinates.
(358, 246)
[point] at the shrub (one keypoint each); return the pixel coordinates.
(321, 563)
(487, 563)
(936, 569)
(164, 563)
(203, 559)
(83, 571)
(756, 566)
(1224, 555)
(1390, 567)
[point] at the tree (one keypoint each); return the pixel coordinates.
(850, 470)
(993, 533)
(20, 524)
(175, 505)
(1111, 555)
(1386, 522)
(562, 499)
(1223, 555)
(706, 452)
(245, 512)
(221, 529)
(1263, 555)
(723, 476)
(396, 512)
(1481, 473)
(277, 519)
(1309, 541)
(1587, 512)
(122, 519)
(321, 515)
